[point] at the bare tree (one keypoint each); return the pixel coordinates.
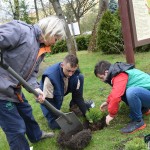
(36, 10)
(80, 7)
(59, 13)
(14, 7)
(103, 6)
(7, 8)
(49, 6)
(43, 7)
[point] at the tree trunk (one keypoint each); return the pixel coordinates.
(42, 4)
(103, 6)
(69, 40)
(16, 10)
(78, 20)
(36, 9)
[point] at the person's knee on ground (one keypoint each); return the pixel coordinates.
(50, 118)
(75, 107)
(53, 125)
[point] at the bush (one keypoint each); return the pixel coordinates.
(144, 48)
(82, 42)
(94, 115)
(109, 35)
(87, 38)
(60, 46)
(136, 144)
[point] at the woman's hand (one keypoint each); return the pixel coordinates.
(103, 106)
(41, 97)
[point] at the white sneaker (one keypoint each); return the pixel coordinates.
(47, 135)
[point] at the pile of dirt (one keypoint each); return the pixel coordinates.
(81, 139)
(77, 141)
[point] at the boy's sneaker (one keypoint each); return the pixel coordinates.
(46, 135)
(133, 126)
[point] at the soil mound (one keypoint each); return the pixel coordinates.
(77, 141)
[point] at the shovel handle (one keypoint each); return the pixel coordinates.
(30, 89)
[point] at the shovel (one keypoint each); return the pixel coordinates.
(68, 122)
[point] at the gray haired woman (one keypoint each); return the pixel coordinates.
(24, 47)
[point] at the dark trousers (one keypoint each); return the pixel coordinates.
(16, 120)
(77, 94)
(77, 98)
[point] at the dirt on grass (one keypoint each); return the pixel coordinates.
(81, 139)
(86, 124)
(77, 141)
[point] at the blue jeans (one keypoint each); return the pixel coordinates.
(137, 98)
(16, 120)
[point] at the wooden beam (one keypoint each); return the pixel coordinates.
(127, 30)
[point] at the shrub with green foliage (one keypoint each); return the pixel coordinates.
(61, 46)
(136, 144)
(94, 115)
(82, 42)
(24, 16)
(144, 48)
(109, 35)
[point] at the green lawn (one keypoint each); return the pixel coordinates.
(110, 137)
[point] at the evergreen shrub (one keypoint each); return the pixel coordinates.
(82, 42)
(109, 35)
(94, 115)
(61, 46)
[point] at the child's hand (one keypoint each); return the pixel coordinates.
(103, 106)
(108, 119)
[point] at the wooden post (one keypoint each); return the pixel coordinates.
(127, 31)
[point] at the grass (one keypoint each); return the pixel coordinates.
(108, 138)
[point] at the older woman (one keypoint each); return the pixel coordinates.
(24, 47)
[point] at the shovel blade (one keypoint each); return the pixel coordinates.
(70, 128)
